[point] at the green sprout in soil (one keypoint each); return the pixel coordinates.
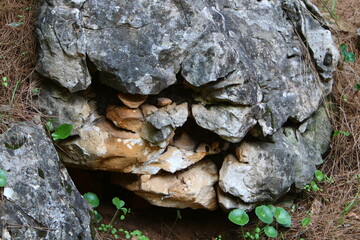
(348, 56)
(94, 201)
(266, 215)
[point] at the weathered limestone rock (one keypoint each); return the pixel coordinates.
(230, 122)
(264, 171)
(127, 118)
(228, 201)
(65, 107)
(192, 188)
(103, 146)
(63, 49)
(40, 199)
(229, 67)
(162, 123)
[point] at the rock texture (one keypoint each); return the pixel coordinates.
(175, 81)
(264, 171)
(222, 46)
(40, 199)
(193, 188)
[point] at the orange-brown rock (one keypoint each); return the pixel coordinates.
(192, 188)
(132, 100)
(126, 118)
(161, 102)
(148, 109)
(106, 147)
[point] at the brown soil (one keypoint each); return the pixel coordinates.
(335, 212)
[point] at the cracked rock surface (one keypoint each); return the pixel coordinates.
(156, 87)
(40, 199)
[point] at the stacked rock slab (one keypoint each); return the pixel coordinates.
(250, 66)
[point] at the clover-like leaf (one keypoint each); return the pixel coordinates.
(92, 199)
(270, 231)
(239, 217)
(282, 217)
(348, 56)
(319, 175)
(62, 132)
(314, 186)
(118, 203)
(264, 213)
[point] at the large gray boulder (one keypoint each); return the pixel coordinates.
(240, 52)
(40, 199)
(234, 73)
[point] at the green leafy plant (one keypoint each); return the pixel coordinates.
(319, 177)
(4, 81)
(330, 10)
(94, 201)
(345, 98)
(63, 131)
(348, 206)
(3, 178)
(357, 86)
(348, 56)
(305, 221)
(219, 237)
(266, 215)
(49, 125)
(341, 132)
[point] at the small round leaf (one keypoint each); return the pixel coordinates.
(272, 208)
(264, 213)
(282, 217)
(270, 231)
(239, 217)
(3, 173)
(305, 222)
(3, 182)
(62, 132)
(92, 199)
(319, 175)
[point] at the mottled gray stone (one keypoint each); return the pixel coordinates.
(59, 104)
(230, 122)
(40, 198)
(162, 123)
(62, 55)
(264, 171)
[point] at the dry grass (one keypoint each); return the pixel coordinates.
(335, 212)
(17, 61)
